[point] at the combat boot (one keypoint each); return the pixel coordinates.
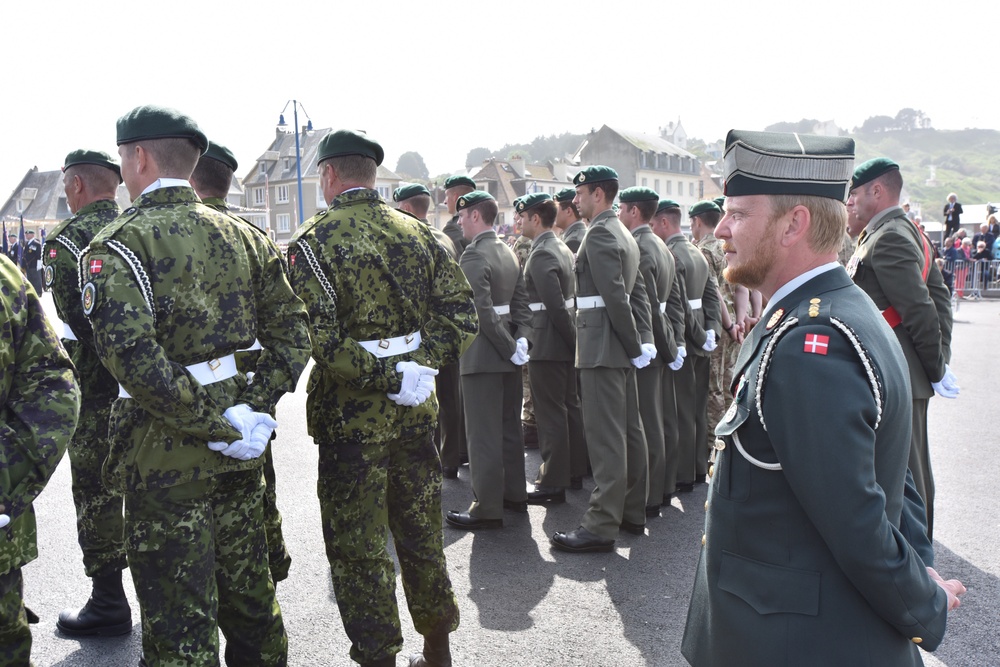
(106, 613)
(437, 652)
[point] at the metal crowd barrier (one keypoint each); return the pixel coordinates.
(975, 279)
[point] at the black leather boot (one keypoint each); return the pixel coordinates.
(106, 613)
(437, 652)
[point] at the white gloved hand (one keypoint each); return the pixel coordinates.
(649, 350)
(425, 387)
(641, 361)
(417, 384)
(255, 429)
(676, 364)
(410, 371)
(710, 343)
(234, 416)
(4, 520)
(520, 356)
(682, 352)
(948, 385)
(260, 434)
(407, 399)
(522, 344)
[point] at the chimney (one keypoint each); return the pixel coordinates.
(517, 164)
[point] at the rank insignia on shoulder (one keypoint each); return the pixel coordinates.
(49, 275)
(816, 344)
(89, 297)
(775, 318)
(291, 259)
(96, 265)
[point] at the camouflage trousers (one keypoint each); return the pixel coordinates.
(198, 558)
(720, 378)
(15, 635)
(368, 490)
(278, 558)
(527, 406)
(99, 521)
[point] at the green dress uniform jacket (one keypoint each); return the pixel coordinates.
(699, 285)
(803, 560)
(573, 235)
(454, 231)
(656, 265)
(549, 280)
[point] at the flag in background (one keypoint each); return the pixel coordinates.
(20, 245)
(6, 247)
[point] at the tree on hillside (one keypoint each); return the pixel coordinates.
(411, 164)
(804, 126)
(878, 124)
(476, 156)
(911, 119)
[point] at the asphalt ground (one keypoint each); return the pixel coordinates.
(523, 603)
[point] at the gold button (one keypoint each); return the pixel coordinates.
(711, 471)
(706, 505)
(703, 537)
(720, 444)
(814, 301)
(916, 640)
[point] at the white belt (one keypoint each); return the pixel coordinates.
(541, 306)
(68, 333)
(502, 310)
(256, 346)
(390, 347)
(584, 302)
(695, 304)
(206, 373)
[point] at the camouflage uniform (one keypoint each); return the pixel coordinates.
(278, 558)
(99, 521)
(172, 283)
(368, 272)
(522, 248)
(723, 358)
(40, 402)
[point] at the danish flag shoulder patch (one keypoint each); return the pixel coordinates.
(96, 265)
(816, 344)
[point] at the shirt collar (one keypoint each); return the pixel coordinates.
(795, 283)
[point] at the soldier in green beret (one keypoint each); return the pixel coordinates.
(455, 187)
(491, 377)
(90, 181)
(389, 307)
(211, 180)
(568, 220)
(39, 412)
(521, 248)
(415, 199)
(894, 265)
(173, 290)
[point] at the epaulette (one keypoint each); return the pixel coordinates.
(106, 237)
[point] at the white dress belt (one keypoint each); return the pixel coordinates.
(663, 306)
(256, 346)
(68, 333)
(584, 302)
(541, 306)
(390, 347)
(695, 304)
(502, 310)
(206, 373)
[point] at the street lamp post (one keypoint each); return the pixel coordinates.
(298, 151)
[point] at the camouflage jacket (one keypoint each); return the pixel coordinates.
(711, 248)
(522, 248)
(173, 283)
(40, 404)
(368, 272)
(63, 247)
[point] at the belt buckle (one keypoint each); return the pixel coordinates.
(214, 364)
(409, 338)
(383, 344)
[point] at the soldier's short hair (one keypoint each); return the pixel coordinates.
(647, 207)
(710, 218)
(546, 212)
(570, 205)
(673, 216)
(418, 204)
(828, 219)
(97, 179)
(892, 181)
(175, 157)
(610, 189)
(488, 210)
(354, 169)
(213, 177)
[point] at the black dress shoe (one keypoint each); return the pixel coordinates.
(576, 483)
(667, 498)
(466, 521)
(449, 472)
(581, 540)
(546, 495)
(634, 528)
(685, 487)
(519, 506)
(652, 511)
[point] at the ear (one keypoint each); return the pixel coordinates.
(142, 159)
(798, 222)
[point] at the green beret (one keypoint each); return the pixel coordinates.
(595, 174)
(565, 195)
(638, 193)
(522, 204)
(473, 198)
(869, 171)
(222, 154)
(666, 204)
(787, 163)
(29, 231)
(720, 202)
(454, 181)
(703, 207)
(152, 122)
(348, 142)
(404, 192)
(100, 158)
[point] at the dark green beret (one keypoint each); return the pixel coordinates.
(473, 198)
(638, 193)
(100, 158)
(406, 191)
(222, 154)
(869, 171)
(565, 195)
(595, 174)
(703, 207)
(152, 122)
(529, 201)
(666, 204)
(720, 202)
(348, 142)
(787, 163)
(454, 181)
(29, 231)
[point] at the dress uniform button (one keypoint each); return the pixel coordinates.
(917, 640)
(720, 444)
(706, 505)
(711, 471)
(703, 539)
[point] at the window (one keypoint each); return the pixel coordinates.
(258, 197)
(288, 164)
(645, 182)
(552, 189)
(680, 188)
(670, 187)
(284, 222)
(282, 194)
(262, 167)
(691, 189)
(656, 161)
(260, 221)
(383, 192)
(320, 200)
(656, 185)
(642, 158)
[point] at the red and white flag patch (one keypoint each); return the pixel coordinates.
(52, 253)
(816, 344)
(96, 265)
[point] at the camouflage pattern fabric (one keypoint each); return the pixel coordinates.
(39, 407)
(368, 272)
(98, 508)
(723, 359)
(522, 248)
(172, 283)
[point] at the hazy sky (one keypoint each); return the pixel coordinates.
(441, 78)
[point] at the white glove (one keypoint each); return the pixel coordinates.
(255, 428)
(425, 387)
(676, 364)
(641, 361)
(948, 385)
(4, 520)
(522, 345)
(710, 343)
(407, 399)
(520, 356)
(682, 352)
(649, 350)
(417, 384)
